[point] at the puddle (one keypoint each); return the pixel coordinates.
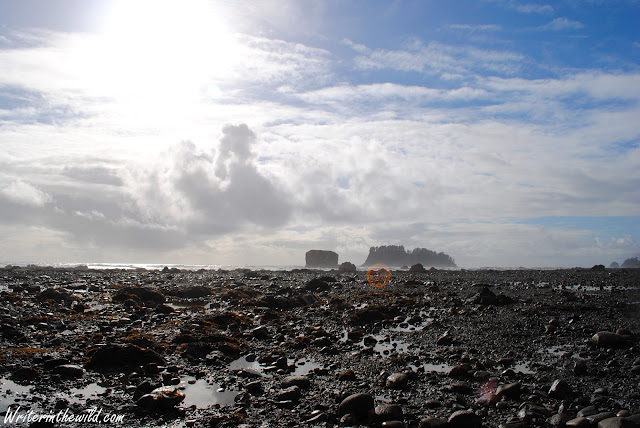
(304, 367)
(92, 391)
(11, 393)
(407, 327)
(203, 394)
(437, 368)
(242, 363)
(385, 346)
(523, 368)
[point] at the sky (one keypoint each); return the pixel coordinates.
(501, 132)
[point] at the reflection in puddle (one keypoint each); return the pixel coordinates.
(438, 368)
(242, 363)
(89, 392)
(11, 393)
(202, 394)
(523, 368)
(304, 367)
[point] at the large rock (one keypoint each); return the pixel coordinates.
(121, 357)
(321, 259)
(607, 339)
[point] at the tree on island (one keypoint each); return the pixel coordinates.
(631, 263)
(396, 255)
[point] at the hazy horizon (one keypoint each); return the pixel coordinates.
(246, 133)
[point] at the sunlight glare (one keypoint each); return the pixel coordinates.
(158, 58)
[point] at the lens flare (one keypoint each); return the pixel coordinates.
(379, 275)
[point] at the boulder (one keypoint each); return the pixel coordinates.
(321, 259)
(347, 267)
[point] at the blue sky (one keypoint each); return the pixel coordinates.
(248, 132)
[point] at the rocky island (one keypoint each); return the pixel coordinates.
(215, 348)
(396, 256)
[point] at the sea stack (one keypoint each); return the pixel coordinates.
(321, 259)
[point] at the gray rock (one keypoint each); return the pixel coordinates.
(347, 267)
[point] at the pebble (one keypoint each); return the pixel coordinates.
(302, 381)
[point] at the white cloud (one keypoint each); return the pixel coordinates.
(24, 193)
(437, 58)
(561, 24)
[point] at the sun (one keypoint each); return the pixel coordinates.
(158, 57)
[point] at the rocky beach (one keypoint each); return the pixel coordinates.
(320, 348)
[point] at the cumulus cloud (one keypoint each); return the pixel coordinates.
(213, 191)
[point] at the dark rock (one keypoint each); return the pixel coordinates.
(164, 309)
(321, 259)
(397, 381)
(347, 267)
(598, 268)
(317, 284)
(291, 393)
(461, 371)
(464, 419)
(510, 390)
(561, 390)
(580, 368)
(607, 339)
(393, 424)
(25, 374)
(578, 422)
(432, 422)
(445, 340)
(69, 371)
(417, 268)
(559, 420)
(488, 400)
(389, 412)
(301, 381)
(357, 404)
(121, 357)
(595, 419)
(195, 292)
(161, 399)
